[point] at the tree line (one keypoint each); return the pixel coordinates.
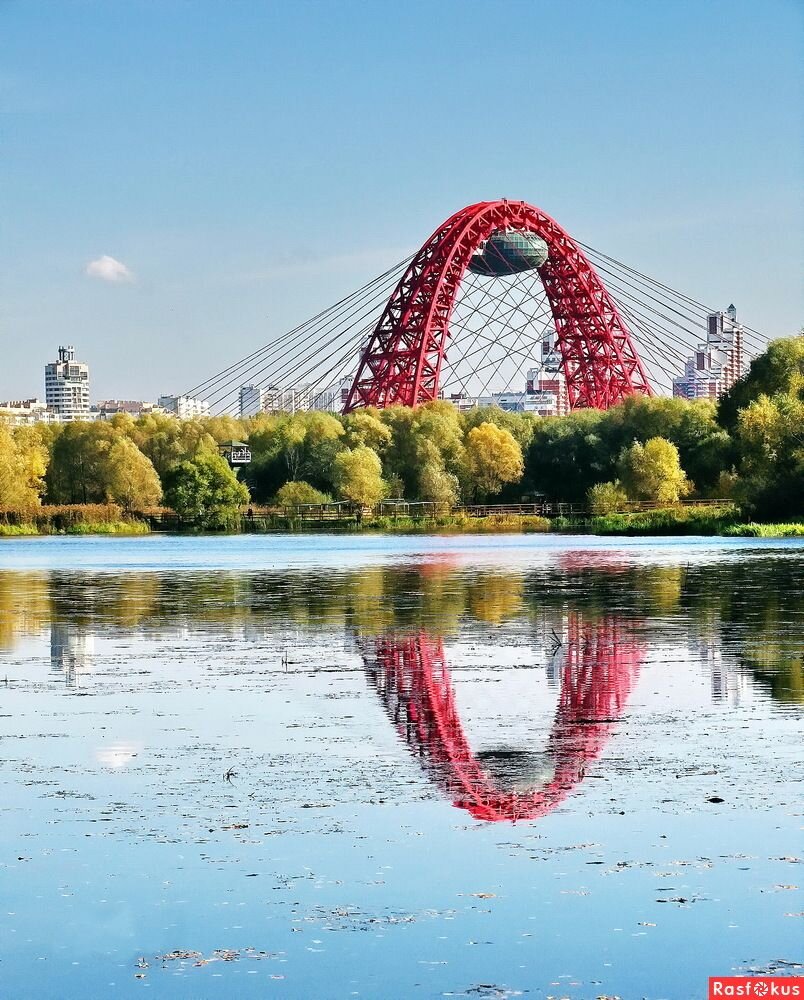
(749, 447)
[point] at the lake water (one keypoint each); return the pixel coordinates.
(321, 767)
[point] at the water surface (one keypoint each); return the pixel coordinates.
(324, 767)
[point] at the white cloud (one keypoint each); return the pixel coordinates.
(108, 269)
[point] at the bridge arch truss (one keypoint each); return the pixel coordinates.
(402, 362)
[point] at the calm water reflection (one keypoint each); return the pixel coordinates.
(617, 725)
(599, 664)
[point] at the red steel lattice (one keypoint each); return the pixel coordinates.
(402, 362)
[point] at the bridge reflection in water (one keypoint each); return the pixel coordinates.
(601, 662)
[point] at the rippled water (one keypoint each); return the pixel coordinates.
(324, 767)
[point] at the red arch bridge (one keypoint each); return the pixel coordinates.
(600, 665)
(499, 297)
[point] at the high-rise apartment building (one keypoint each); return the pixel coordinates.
(67, 386)
(716, 364)
(251, 401)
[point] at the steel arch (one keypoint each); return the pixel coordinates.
(401, 364)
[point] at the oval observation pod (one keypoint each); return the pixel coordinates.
(509, 251)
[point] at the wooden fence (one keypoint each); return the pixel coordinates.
(344, 513)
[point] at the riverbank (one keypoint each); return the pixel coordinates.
(109, 519)
(71, 519)
(103, 528)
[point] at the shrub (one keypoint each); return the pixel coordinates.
(606, 498)
(298, 492)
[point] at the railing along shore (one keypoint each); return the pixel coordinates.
(344, 513)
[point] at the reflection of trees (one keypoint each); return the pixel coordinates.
(767, 634)
(412, 678)
(751, 607)
(495, 597)
(24, 606)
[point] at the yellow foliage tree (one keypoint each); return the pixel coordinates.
(493, 458)
(652, 471)
(131, 479)
(23, 463)
(357, 474)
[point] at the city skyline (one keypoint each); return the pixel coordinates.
(709, 370)
(180, 220)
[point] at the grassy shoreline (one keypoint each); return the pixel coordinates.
(725, 521)
(70, 519)
(102, 528)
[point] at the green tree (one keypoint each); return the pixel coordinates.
(205, 491)
(131, 478)
(292, 447)
(770, 441)
(493, 458)
(357, 474)
(435, 483)
(298, 492)
(704, 448)
(606, 498)
(416, 436)
(78, 470)
(167, 441)
(777, 371)
(653, 471)
(567, 455)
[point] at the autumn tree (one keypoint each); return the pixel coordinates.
(493, 458)
(224, 427)
(357, 474)
(521, 426)
(131, 479)
(652, 471)
(23, 461)
(364, 427)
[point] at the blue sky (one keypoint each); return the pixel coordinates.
(251, 162)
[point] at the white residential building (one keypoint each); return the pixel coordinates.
(184, 407)
(716, 364)
(21, 412)
(67, 386)
(333, 398)
(544, 392)
(108, 408)
(291, 399)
